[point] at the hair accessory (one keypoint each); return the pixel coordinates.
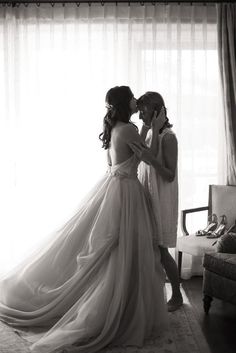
(109, 106)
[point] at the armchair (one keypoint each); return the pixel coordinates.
(221, 200)
(219, 274)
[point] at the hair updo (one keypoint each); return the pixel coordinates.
(118, 109)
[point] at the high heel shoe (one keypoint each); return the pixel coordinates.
(212, 225)
(220, 229)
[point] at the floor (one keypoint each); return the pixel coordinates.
(219, 326)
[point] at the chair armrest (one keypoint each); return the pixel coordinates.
(184, 214)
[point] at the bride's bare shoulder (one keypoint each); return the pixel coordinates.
(130, 131)
(127, 132)
(124, 129)
(127, 128)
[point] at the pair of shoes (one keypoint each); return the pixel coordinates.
(220, 229)
(212, 225)
(174, 304)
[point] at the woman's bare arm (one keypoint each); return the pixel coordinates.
(131, 134)
(167, 169)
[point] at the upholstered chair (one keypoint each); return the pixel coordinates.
(221, 201)
(219, 275)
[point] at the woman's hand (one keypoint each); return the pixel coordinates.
(158, 120)
(142, 152)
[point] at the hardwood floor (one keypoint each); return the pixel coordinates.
(219, 326)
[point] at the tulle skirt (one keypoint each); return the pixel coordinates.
(97, 281)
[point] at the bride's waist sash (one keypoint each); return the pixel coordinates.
(122, 174)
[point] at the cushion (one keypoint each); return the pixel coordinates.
(227, 243)
(194, 245)
(222, 264)
(223, 202)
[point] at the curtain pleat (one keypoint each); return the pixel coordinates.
(226, 24)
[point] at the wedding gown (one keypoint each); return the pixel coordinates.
(98, 282)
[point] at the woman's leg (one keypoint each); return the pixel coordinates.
(171, 270)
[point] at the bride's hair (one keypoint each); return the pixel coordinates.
(118, 109)
(154, 101)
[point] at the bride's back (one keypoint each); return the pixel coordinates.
(119, 149)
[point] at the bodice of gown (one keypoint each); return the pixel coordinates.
(126, 169)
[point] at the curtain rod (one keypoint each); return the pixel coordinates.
(16, 3)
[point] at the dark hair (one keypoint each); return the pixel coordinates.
(118, 109)
(155, 102)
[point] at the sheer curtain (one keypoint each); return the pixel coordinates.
(56, 64)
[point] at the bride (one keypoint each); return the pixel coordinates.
(99, 281)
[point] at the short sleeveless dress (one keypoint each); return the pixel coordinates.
(163, 194)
